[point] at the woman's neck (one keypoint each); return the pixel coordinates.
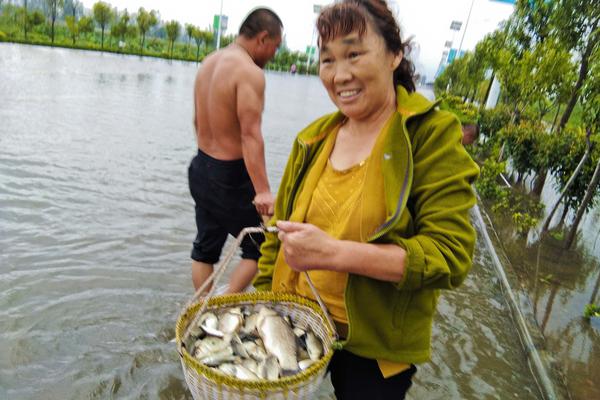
(373, 124)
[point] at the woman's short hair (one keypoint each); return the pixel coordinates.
(347, 16)
(261, 19)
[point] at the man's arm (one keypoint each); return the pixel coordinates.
(250, 103)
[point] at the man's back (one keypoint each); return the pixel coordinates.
(216, 92)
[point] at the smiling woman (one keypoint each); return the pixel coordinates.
(373, 205)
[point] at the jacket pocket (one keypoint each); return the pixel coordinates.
(400, 306)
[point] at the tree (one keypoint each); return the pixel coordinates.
(145, 20)
(53, 7)
(73, 27)
(578, 26)
(189, 30)
(102, 15)
(173, 29)
(120, 28)
(85, 25)
(25, 18)
(585, 204)
(73, 8)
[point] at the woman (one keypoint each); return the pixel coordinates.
(373, 204)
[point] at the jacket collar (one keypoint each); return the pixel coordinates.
(408, 105)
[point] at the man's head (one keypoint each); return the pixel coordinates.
(263, 28)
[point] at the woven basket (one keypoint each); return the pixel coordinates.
(208, 383)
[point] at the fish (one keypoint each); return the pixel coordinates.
(269, 368)
(304, 364)
(253, 343)
(230, 321)
(278, 338)
(313, 346)
(209, 323)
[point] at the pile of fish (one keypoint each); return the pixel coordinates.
(253, 343)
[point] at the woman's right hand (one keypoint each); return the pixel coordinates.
(305, 246)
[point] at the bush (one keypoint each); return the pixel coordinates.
(527, 146)
(487, 183)
(491, 121)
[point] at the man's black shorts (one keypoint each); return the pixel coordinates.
(223, 194)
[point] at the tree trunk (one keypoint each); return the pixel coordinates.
(583, 72)
(563, 216)
(52, 28)
(539, 183)
(549, 306)
(555, 118)
(197, 52)
(143, 39)
(595, 290)
(589, 195)
(578, 169)
(102, 39)
(25, 21)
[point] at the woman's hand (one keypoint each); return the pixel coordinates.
(305, 246)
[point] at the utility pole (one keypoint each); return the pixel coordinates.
(465, 31)
(316, 10)
(219, 30)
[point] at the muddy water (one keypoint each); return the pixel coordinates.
(559, 284)
(96, 224)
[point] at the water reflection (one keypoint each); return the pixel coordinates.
(561, 282)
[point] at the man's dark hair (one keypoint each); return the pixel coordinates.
(261, 19)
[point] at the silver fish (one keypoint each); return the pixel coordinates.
(269, 368)
(313, 346)
(209, 324)
(216, 358)
(278, 338)
(244, 373)
(209, 345)
(305, 364)
(231, 321)
(227, 369)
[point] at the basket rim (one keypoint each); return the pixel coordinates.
(255, 297)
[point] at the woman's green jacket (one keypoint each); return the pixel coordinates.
(427, 184)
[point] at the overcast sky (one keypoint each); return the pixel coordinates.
(427, 20)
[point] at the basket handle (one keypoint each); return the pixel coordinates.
(218, 273)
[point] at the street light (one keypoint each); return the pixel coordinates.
(316, 10)
(465, 31)
(219, 30)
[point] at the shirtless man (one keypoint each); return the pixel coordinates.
(228, 178)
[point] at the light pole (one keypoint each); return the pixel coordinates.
(465, 31)
(219, 30)
(316, 10)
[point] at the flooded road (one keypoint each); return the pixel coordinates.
(96, 226)
(560, 283)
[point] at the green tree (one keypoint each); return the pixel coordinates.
(145, 20)
(487, 51)
(73, 27)
(36, 18)
(578, 26)
(25, 17)
(102, 15)
(53, 7)
(189, 30)
(73, 8)
(85, 25)
(120, 27)
(173, 28)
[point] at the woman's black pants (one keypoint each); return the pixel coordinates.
(355, 377)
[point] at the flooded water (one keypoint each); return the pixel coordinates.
(560, 283)
(96, 224)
